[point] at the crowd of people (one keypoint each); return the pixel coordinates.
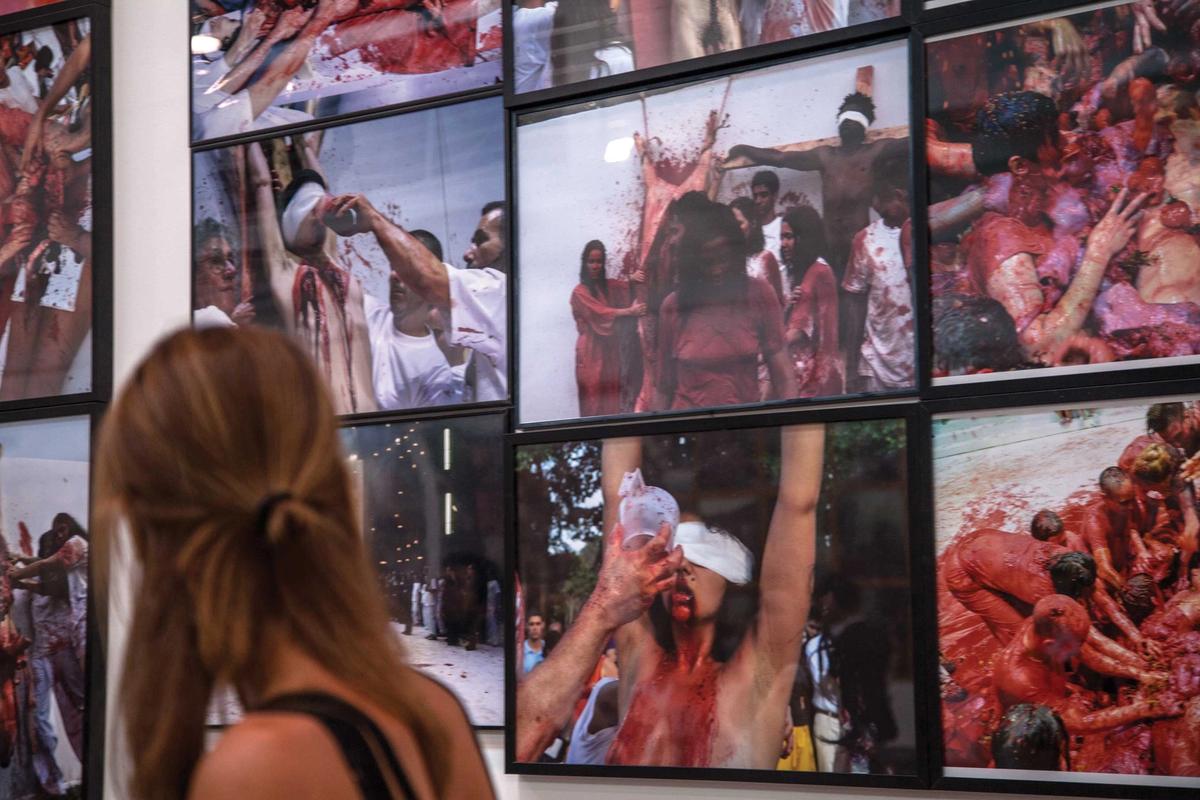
(45, 206)
(440, 336)
(564, 41)
(462, 605)
(43, 646)
(740, 303)
(1064, 190)
(246, 53)
(693, 650)
(1075, 645)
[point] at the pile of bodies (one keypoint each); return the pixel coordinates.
(1064, 190)
(1077, 645)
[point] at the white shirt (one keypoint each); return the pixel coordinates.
(825, 692)
(479, 322)
(613, 59)
(877, 268)
(771, 232)
(19, 92)
(590, 748)
(531, 61)
(407, 371)
(211, 317)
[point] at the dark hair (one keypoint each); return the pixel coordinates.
(857, 101)
(495, 205)
(860, 659)
(1112, 478)
(767, 179)
(581, 27)
(707, 223)
(599, 286)
(207, 229)
(1045, 525)
(972, 333)
(430, 241)
(1031, 737)
(1012, 124)
(755, 242)
(302, 177)
(1160, 416)
(44, 57)
(890, 174)
(808, 231)
(734, 620)
(1139, 596)
(846, 594)
(1072, 574)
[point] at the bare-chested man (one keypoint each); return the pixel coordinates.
(1000, 575)
(1110, 527)
(1047, 526)
(1018, 133)
(1033, 668)
(1180, 615)
(1166, 499)
(319, 301)
(846, 173)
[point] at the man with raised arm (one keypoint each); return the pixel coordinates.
(319, 301)
(474, 299)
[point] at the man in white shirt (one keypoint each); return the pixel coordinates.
(474, 301)
(764, 190)
(408, 368)
(533, 22)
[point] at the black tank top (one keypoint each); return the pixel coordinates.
(368, 754)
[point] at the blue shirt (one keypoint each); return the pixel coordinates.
(533, 657)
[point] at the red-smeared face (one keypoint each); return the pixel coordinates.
(696, 595)
(595, 264)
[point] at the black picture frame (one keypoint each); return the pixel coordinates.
(798, 58)
(449, 416)
(1018, 403)
(917, 465)
(102, 193)
(96, 658)
(483, 90)
(354, 119)
(745, 57)
(961, 18)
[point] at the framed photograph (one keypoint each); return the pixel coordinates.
(264, 64)
(717, 248)
(1068, 597)
(564, 42)
(428, 493)
(55, 221)
(727, 601)
(1062, 196)
(51, 681)
(380, 245)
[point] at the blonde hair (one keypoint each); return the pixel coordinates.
(222, 455)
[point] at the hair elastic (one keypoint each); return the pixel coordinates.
(267, 507)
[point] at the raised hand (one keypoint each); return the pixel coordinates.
(1114, 231)
(629, 580)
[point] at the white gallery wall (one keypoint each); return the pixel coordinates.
(151, 285)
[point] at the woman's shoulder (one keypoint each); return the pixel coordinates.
(269, 754)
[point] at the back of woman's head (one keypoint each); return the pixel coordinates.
(222, 456)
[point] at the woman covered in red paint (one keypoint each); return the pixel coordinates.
(812, 312)
(597, 303)
(760, 261)
(718, 323)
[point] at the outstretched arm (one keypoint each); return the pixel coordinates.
(787, 562)
(278, 265)
(76, 63)
(411, 260)
(629, 581)
(802, 160)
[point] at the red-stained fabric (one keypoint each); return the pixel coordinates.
(812, 331)
(405, 42)
(597, 350)
(711, 354)
(994, 239)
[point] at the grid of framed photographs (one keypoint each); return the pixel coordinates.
(807, 298)
(55, 375)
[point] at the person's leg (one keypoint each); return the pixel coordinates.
(49, 776)
(69, 690)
